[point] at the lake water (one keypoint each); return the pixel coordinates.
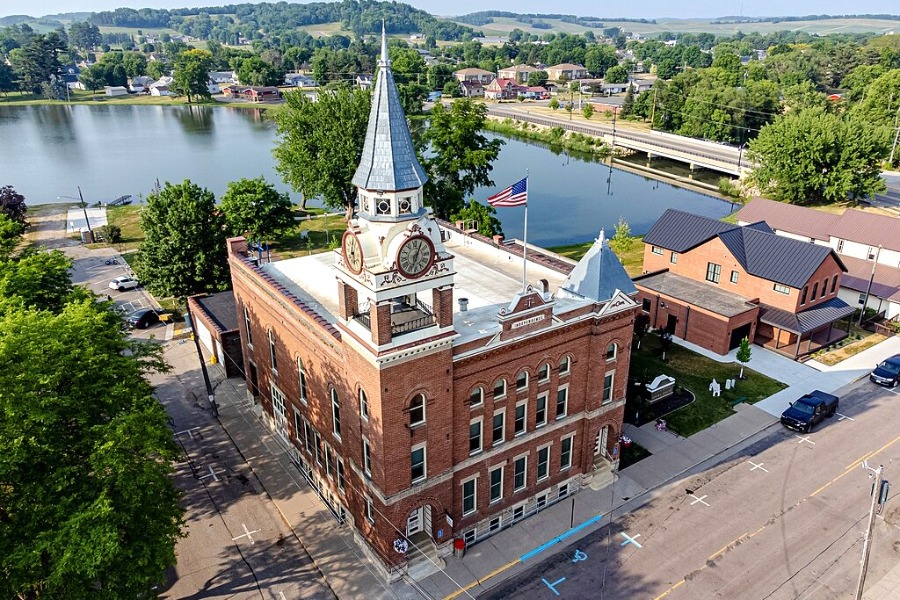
(47, 151)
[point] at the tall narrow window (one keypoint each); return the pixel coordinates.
(519, 425)
(564, 365)
(477, 397)
(544, 372)
(565, 453)
(562, 401)
(840, 246)
(522, 380)
(417, 458)
(815, 291)
(497, 484)
(336, 412)
(540, 411)
(498, 427)
(734, 277)
(500, 388)
(318, 449)
(673, 258)
(468, 496)
(834, 284)
(824, 287)
(803, 296)
(272, 355)
(247, 327)
(340, 474)
(519, 473)
(302, 371)
(543, 462)
(475, 436)
(611, 351)
(607, 389)
(370, 510)
(713, 272)
(307, 436)
(367, 457)
(417, 410)
(363, 405)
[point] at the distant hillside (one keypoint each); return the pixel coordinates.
(535, 20)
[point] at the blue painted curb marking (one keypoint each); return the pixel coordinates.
(559, 538)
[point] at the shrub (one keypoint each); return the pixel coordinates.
(110, 234)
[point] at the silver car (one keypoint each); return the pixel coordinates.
(125, 282)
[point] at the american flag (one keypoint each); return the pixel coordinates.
(514, 195)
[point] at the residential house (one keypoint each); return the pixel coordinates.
(566, 71)
(536, 92)
(223, 77)
(713, 283)
(299, 80)
(502, 89)
(213, 87)
(69, 74)
(868, 244)
(473, 74)
(519, 73)
(140, 84)
(471, 89)
(115, 90)
(161, 86)
(364, 81)
(420, 418)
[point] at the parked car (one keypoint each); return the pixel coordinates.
(809, 409)
(887, 373)
(143, 318)
(125, 282)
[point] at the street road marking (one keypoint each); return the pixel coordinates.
(559, 538)
(700, 499)
(466, 588)
(630, 540)
(190, 432)
(553, 585)
(843, 416)
(671, 589)
(855, 464)
(805, 439)
(246, 534)
(212, 474)
(579, 556)
(282, 595)
(757, 466)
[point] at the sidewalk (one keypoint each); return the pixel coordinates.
(511, 550)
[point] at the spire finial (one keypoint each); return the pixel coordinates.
(385, 61)
(602, 237)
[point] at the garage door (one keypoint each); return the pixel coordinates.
(737, 335)
(204, 335)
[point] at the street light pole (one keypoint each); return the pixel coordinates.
(876, 492)
(84, 210)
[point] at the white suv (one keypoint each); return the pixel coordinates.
(124, 282)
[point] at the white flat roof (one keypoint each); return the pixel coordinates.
(489, 277)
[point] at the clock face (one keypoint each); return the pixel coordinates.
(415, 256)
(352, 251)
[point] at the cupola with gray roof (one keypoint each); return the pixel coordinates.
(598, 275)
(388, 161)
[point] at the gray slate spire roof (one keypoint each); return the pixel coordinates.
(388, 159)
(597, 275)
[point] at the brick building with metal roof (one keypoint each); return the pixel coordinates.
(713, 283)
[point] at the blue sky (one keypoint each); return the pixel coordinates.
(644, 9)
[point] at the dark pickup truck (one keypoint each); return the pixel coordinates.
(808, 410)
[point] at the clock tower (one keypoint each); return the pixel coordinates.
(395, 279)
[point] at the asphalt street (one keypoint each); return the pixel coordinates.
(782, 518)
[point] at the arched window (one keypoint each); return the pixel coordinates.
(272, 355)
(302, 371)
(500, 388)
(522, 380)
(477, 396)
(611, 351)
(565, 364)
(363, 404)
(417, 410)
(544, 372)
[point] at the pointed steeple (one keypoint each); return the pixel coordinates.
(388, 161)
(597, 275)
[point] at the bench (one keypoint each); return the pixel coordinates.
(738, 400)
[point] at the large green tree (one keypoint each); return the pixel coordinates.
(812, 155)
(482, 215)
(256, 71)
(460, 157)
(191, 73)
(183, 252)
(36, 61)
(321, 144)
(256, 208)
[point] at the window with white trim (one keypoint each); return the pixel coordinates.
(272, 356)
(781, 289)
(565, 364)
(475, 436)
(247, 327)
(495, 524)
(521, 413)
(370, 511)
(417, 410)
(498, 427)
(540, 411)
(713, 272)
(673, 258)
(565, 453)
(500, 388)
(520, 478)
(544, 373)
(340, 473)
(318, 449)
(543, 462)
(541, 501)
(367, 457)
(834, 283)
(522, 380)
(363, 405)
(496, 477)
(840, 246)
(518, 513)
(302, 373)
(656, 250)
(476, 398)
(611, 351)
(562, 401)
(734, 276)
(308, 437)
(327, 460)
(469, 536)
(469, 492)
(419, 469)
(607, 388)
(298, 425)
(563, 491)
(335, 413)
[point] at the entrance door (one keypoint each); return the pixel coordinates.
(278, 411)
(414, 522)
(600, 443)
(254, 381)
(671, 323)
(737, 335)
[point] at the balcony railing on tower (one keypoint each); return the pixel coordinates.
(405, 317)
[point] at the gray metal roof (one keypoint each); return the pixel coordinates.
(680, 231)
(598, 274)
(761, 252)
(388, 161)
(807, 320)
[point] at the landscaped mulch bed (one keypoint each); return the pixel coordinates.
(660, 408)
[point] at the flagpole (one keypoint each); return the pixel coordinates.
(525, 241)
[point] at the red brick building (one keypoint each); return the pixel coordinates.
(423, 391)
(713, 283)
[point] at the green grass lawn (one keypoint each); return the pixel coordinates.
(128, 219)
(695, 372)
(311, 236)
(633, 260)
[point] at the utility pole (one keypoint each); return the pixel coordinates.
(84, 210)
(862, 311)
(876, 494)
(209, 390)
(653, 108)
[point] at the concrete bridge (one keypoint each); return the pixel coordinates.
(698, 154)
